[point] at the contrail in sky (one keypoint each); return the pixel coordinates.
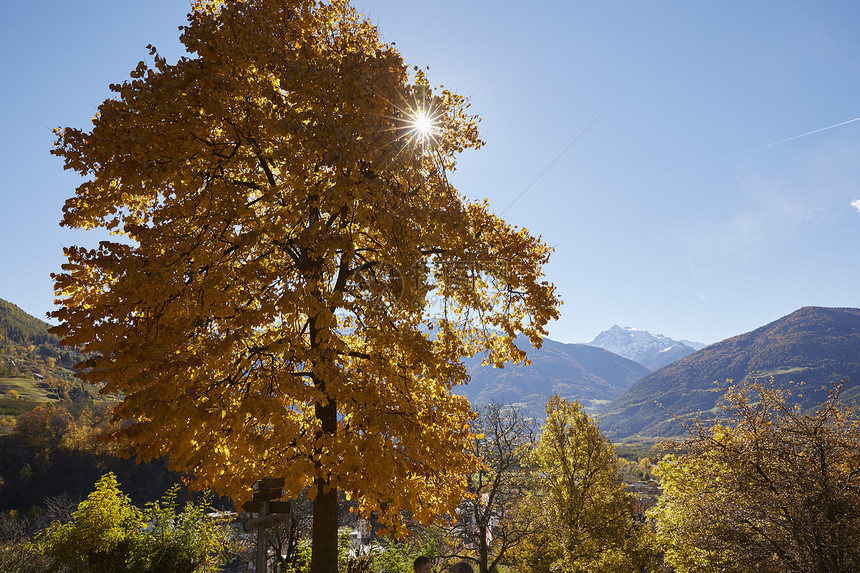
(551, 163)
(835, 125)
(711, 162)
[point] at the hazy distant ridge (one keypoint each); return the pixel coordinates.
(575, 371)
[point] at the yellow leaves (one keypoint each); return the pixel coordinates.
(286, 253)
(748, 484)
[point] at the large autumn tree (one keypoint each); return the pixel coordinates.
(294, 281)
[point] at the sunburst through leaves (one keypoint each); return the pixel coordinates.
(423, 126)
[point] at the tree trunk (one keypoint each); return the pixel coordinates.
(324, 548)
(324, 530)
(483, 551)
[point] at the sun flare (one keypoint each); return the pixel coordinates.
(423, 126)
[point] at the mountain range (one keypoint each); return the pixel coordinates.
(592, 375)
(814, 345)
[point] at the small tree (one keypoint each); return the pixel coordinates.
(772, 489)
(582, 515)
(491, 522)
(98, 538)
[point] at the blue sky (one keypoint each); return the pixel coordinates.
(676, 211)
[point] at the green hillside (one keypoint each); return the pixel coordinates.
(813, 345)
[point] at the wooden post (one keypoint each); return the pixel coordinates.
(266, 490)
(262, 546)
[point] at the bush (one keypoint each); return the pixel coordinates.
(107, 534)
(22, 557)
(302, 562)
(397, 557)
(188, 542)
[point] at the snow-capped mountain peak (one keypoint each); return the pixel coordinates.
(651, 350)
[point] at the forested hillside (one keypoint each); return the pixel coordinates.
(50, 423)
(19, 327)
(813, 345)
(34, 367)
(27, 348)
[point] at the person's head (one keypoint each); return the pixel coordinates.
(462, 567)
(422, 565)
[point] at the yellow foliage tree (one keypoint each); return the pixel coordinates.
(100, 534)
(774, 488)
(295, 283)
(582, 516)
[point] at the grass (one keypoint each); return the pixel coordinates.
(14, 408)
(637, 451)
(28, 389)
(781, 371)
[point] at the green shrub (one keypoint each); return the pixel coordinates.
(107, 534)
(188, 542)
(398, 557)
(98, 538)
(302, 562)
